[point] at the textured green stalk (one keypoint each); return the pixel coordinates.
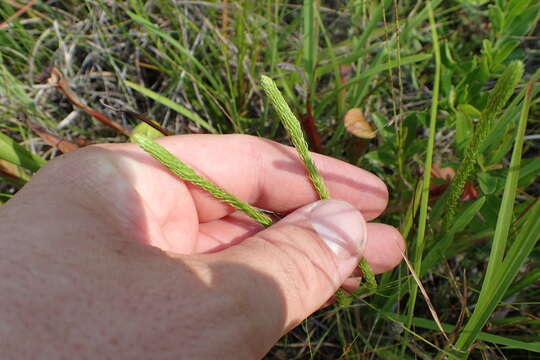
(292, 125)
(497, 99)
(502, 269)
(183, 171)
(505, 216)
(426, 181)
(367, 273)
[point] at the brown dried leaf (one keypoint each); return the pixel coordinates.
(425, 295)
(470, 192)
(52, 139)
(13, 172)
(356, 124)
(446, 173)
(346, 72)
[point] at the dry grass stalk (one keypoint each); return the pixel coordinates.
(57, 79)
(17, 14)
(52, 139)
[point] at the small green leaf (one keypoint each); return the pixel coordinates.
(367, 273)
(516, 8)
(342, 299)
(469, 110)
(529, 171)
(446, 56)
(14, 153)
(488, 49)
(497, 18)
(489, 184)
(146, 130)
(464, 131)
(385, 155)
(466, 214)
(504, 51)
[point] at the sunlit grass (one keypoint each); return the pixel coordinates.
(195, 67)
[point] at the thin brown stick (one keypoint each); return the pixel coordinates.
(138, 116)
(149, 122)
(58, 80)
(18, 13)
(308, 124)
(425, 295)
(52, 139)
(30, 11)
(225, 17)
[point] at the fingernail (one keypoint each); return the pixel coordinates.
(341, 226)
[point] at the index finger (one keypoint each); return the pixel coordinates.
(269, 175)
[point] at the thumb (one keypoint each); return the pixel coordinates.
(306, 255)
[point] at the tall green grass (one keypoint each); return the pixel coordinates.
(504, 262)
(439, 81)
(428, 164)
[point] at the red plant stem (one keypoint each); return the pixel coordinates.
(58, 79)
(308, 123)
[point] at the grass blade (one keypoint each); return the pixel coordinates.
(495, 339)
(496, 101)
(152, 28)
(507, 205)
(375, 70)
(498, 278)
(310, 40)
(172, 105)
(14, 153)
(426, 181)
(507, 271)
(440, 249)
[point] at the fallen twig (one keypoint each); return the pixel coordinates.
(18, 13)
(58, 80)
(52, 139)
(139, 117)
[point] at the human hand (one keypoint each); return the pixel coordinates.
(82, 280)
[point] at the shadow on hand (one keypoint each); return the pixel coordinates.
(92, 288)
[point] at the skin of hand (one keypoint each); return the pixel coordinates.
(106, 254)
